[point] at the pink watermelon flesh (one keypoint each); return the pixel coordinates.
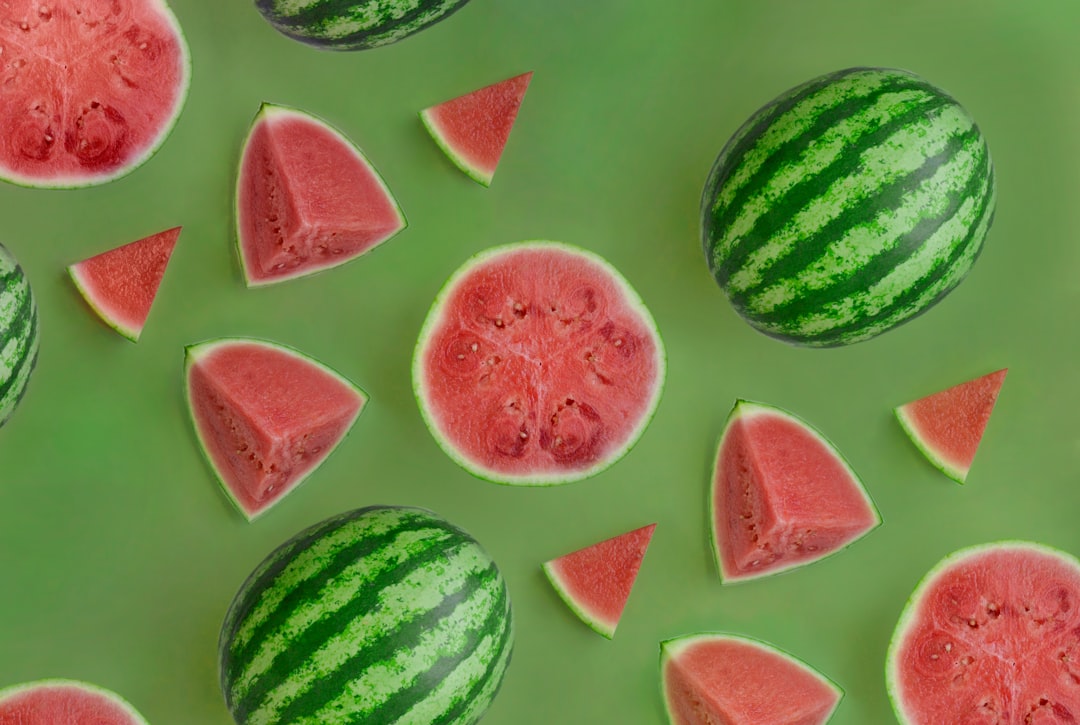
(948, 426)
(991, 635)
(266, 416)
(782, 495)
(307, 199)
(62, 702)
(120, 285)
(473, 129)
(717, 678)
(88, 88)
(596, 581)
(538, 364)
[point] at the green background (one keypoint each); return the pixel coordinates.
(119, 554)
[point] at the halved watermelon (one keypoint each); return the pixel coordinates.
(120, 285)
(782, 496)
(266, 416)
(307, 199)
(64, 702)
(596, 581)
(473, 129)
(948, 426)
(715, 678)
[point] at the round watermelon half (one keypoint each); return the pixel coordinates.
(64, 702)
(89, 89)
(19, 338)
(537, 364)
(990, 635)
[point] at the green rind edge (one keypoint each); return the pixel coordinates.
(956, 474)
(128, 333)
(440, 140)
(87, 687)
(576, 607)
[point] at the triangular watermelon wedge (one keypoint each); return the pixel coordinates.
(473, 129)
(948, 426)
(120, 285)
(595, 582)
(266, 416)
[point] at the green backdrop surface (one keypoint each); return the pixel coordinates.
(119, 554)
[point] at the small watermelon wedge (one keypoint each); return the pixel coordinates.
(948, 426)
(595, 582)
(64, 702)
(120, 285)
(265, 415)
(473, 129)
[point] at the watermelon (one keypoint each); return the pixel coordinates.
(19, 340)
(89, 89)
(595, 582)
(990, 635)
(715, 678)
(847, 206)
(64, 702)
(307, 199)
(120, 284)
(376, 616)
(537, 364)
(265, 415)
(354, 24)
(782, 495)
(948, 426)
(472, 130)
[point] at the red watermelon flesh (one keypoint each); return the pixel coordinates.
(782, 495)
(64, 702)
(596, 581)
(88, 88)
(473, 129)
(307, 199)
(266, 416)
(709, 679)
(948, 426)
(990, 635)
(120, 285)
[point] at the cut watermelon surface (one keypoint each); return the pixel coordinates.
(473, 129)
(718, 678)
(595, 582)
(307, 199)
(948, 426)
(266, 416)
(120, 285)
(782, 495)
(64, 702)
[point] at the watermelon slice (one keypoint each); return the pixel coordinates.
(782, 496)
(990, 635)
(595, 582)
(473, 129)
(265, 415)
(64, 702)
(709, 679)
(307, 199)
(120, 285)
(948, 426)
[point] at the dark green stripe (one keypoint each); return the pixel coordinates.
(810, 188)
(16, 275)
(23, 327)
(883, 263)
(22, 391)
(306, 24)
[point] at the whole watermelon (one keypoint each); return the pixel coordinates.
(376, 616)
(847, 206)
(18, 334)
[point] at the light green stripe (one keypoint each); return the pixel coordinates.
(7, 262)
(400, 602)
(10, 301)
(285, 8)
(863, 243)
(895, 157)
(8, 402)
(482, 701)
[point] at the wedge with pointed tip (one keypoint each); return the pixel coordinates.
(64, 702)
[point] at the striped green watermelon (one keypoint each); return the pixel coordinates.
(354, 24)
(376, 616)
(847, 206)
(18, 334)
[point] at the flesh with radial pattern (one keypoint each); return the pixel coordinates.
(63, 702)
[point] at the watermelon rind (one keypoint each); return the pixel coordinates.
(670, 649)
(743, 407)
(907, 616)
(266, 110)
(20, 339)
(120, 702)
(575, 606)
(192, 354)
(130, 333)
(479, 176)
(433, 317)
(957, 474)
